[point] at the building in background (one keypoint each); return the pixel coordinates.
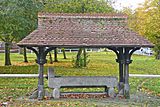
(144, 51)
(14, 47)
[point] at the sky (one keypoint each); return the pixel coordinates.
(119, 4)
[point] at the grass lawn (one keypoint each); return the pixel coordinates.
(101, 64)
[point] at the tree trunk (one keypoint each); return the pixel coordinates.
(64, 53)
(85, 57)
(50, 57)
(7, 54)
(78, 57)
(25, 54)
(55, 55)
(158, 55)
(20, 51)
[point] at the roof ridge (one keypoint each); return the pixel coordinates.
(83, 15)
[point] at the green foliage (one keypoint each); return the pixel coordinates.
(146, 20)
(18, 18)
(78, 6)
(81, 59)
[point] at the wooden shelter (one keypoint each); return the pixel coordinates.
(85, 30)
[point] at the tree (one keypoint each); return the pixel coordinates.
(25, 54)
(78, 6)
(64, 53)
(152, 24)
(146, 21)
(55, 55)
(50, 57)
(18, 19)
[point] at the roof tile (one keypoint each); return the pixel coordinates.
(76, 30)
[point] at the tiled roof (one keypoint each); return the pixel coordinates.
(83, 30)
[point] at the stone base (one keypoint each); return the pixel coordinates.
(56, 93)
(111, 92)
(34, 94)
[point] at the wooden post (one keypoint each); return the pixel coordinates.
(41, 54)
(124, 59)
(40, 83)
(41, 61)
(120, 60)
(126, 74)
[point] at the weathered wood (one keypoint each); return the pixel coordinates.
(20, 76)
(144, 76)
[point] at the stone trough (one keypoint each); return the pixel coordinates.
(55, 82)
